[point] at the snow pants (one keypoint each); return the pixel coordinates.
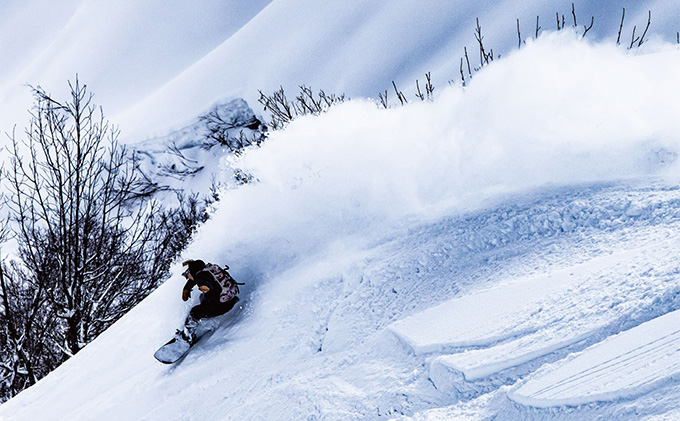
(208, 308)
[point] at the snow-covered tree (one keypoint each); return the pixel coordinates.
(84, 218)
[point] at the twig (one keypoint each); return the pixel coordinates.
(649, 21)
(573, 13)
(400, 95)
(592, 20)
(419, 94)
(640, 39)
(537, 27)
(383, 99)
(519, 36)
(618, 39)
(480, 38)
(632, 38)
(467, 59)
(429, 87)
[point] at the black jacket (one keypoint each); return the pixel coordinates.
(205, 278)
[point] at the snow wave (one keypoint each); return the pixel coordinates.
(560, 111)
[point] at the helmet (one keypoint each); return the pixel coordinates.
(193, 267)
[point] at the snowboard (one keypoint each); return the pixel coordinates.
(176, 348)
(172, 351)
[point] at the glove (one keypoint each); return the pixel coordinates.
(204, 288)
(186, 293)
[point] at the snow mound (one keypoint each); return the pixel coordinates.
(624, 365)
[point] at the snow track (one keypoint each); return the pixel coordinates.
(529, 318)
(627, 364)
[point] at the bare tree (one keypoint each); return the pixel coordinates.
(84, 218)
(284, 111)
(220, 130)
(26, 354)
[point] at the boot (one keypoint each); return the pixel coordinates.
(189, 331)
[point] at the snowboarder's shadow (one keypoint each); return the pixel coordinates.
(217, 337)
(226, 322)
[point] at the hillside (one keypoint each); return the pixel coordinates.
(505, 251)
(154, 68)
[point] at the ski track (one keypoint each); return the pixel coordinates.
(357, 347)
(626, 364)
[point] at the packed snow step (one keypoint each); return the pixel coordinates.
(497, 336)
(461, 322)
(499, 314)
(624, 365)
(479, 364)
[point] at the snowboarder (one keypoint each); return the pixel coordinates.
(210, 305)
(219, 295)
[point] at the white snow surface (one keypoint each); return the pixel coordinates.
(477, 257)
(631, 362)
(155, 66)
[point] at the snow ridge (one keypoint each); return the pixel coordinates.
(628, 364)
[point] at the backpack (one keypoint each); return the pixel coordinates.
(229, 285)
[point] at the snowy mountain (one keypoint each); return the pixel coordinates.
(507, 251)
(154, 68)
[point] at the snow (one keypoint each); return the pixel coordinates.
(188, 157)
(529, 319)
(123, 51)
(480, 256)
(627, 364)
(155, 67)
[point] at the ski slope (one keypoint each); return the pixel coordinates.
(317, 339)
(507, 251)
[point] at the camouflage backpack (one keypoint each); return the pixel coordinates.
(229, 285)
